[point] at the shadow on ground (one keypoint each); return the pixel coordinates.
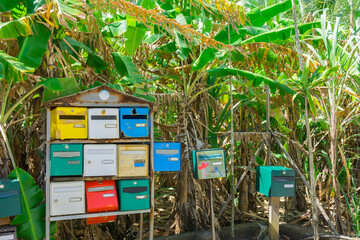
(253, 231)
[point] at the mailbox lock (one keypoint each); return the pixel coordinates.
(89, 162)
(72, 110)
(284, 172)
(133, 111)
(135, 182)
(67, 146)
(167, 145)
(2, 186)
(56, 200)
(103, 111)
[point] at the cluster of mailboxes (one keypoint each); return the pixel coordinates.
(275, 181)
(122, 160)
(79, 197)
(99, 123)
(209, 163)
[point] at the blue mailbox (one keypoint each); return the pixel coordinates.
(134, 122)
(167, 157)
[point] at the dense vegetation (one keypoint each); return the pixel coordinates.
(184, 55)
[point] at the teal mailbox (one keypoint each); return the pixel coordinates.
(10, 197)
(133, 194)
(209, 163)
(275, 181)
(66, 159)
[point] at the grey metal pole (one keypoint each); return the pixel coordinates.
(152, 180)
(47, 176)
(213, 233)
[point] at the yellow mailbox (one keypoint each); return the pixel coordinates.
(133, 160)
(69, 123)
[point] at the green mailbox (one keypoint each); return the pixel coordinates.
(209, 163)
(66, 159)
(10, 197)
(134, 194)
(275, 181)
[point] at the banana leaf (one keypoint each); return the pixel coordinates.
(31, 223)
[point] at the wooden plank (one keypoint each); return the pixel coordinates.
(4, 221)
(274, 218)
(141, 226)
(213, 232)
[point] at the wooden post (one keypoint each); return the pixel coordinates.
(274, 218)
(141, 226)
(213, 233)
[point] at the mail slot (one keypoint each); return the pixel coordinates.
(209, 163)
(100, 160)
(134, 122)
(167, 156)
(101, 197)
(66, 159)
(8, 232)
(276, 181)
(103, 123)
(134, 194)
(69, 123)
(67, 198)
(133, 160)
(10, 197)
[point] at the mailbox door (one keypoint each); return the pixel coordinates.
(283, 183)
(10, 197)
(210, 163)
(67, 198)
(103, 123)
(167, 157)
(100, 160)
(133, 160)
(8, 232)
(69, 123)
(134, 122)
(101, 196)
(134, 194)
(66, 159)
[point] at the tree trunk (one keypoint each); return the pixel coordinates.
(312, 174)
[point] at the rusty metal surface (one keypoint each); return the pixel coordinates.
(79, 178)
(104, 141)
(91, 97)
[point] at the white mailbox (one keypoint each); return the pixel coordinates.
(100, 160)
(67, 198)
(103, 123)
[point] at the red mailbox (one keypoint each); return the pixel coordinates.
(101, 197)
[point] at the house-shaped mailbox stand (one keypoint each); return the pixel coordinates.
(99, 97)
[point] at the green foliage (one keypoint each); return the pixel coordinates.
(6, 5)
(134, 37)
(15, 28)
(35, 46)
(125, 66)
(58, 87)
(31, 223)
(14, 69)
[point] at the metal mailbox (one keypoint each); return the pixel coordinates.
(167, 157)
(67, 198)
(209, 163)
(8, 232)
(103, 123)
(134, 194)
(275, 181)
(10, 197)
(133, 160)
(134, 122)
(101, 197)
(66, 159)
(69, 123)
(100, 160)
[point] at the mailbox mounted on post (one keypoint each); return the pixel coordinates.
(134, 122)
(69, 123)
(10, 200)
(209, 163)
(275, 181)
(167, 156)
